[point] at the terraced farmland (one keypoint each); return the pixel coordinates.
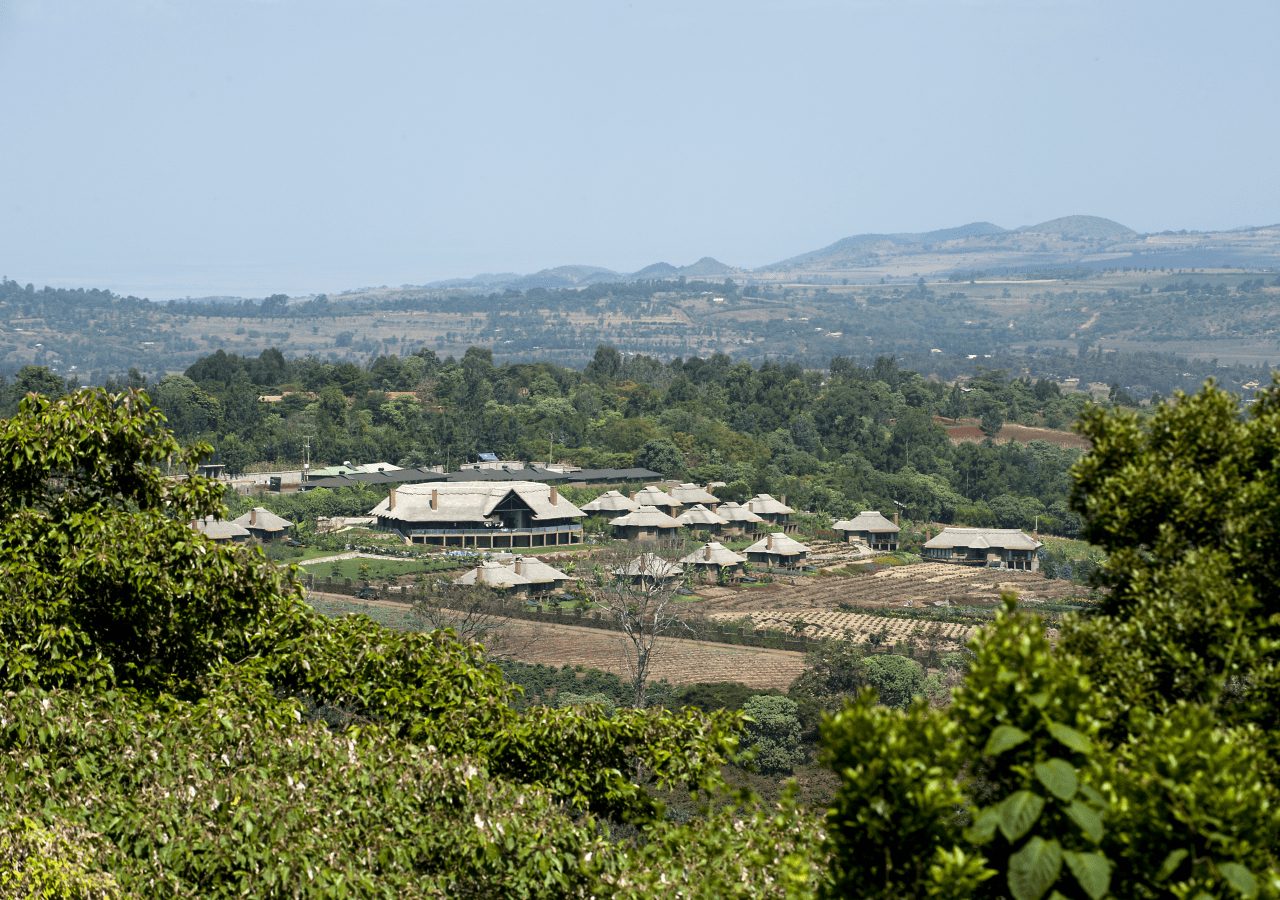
(858, 627)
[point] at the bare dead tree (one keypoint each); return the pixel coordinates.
(475, 614)
(637, 588)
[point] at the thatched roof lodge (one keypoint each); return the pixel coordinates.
(777, 549)
(541, 576)
(775, 512)
(688, 494)
(263, 524)
(712, 558)
(495, 576)
(221, 531)
(487, 515)
(649, 568)
(872, 528)
(611, 504)
(645, 524)
(740, 519)
(999, 548)
(699, 518)
(652, 495)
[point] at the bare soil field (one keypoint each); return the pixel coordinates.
(968, 430)
(677, 660)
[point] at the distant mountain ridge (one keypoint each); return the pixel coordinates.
(978, 248)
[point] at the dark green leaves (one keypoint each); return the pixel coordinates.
(1018, 812)
(1059, 777)
(1034, 869)
(1091, 870)
(1004, 737)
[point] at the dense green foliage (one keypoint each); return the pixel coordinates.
(176, 713)
(1140, 758)
(833, 442)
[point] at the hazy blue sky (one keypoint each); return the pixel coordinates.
(188, 147)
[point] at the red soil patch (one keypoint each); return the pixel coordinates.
(969, 430)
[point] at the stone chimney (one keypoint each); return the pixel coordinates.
(784, 500)
(519, 566)
(253, 516)
(768, 544)
(706, 552)
(391, 498)
(895, 515)
(555, 495)
(633, 495)
(435, 498)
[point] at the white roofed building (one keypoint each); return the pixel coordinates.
(872, 528)
(649, 568)
(1000, 548)
(481, 514)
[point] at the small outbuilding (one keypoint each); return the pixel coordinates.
(263, 524)
(543, 578)
(775, 512)
(220, 531)
(645, 524)
(699, 518)
(778, 549)
(689, 494)
(870, 527)
(656, 497)
(739, 519)
(610, 505)
(649, 568)
(497, 577)
(997, 548)
(712, 560)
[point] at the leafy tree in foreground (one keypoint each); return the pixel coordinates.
(1138, 759)
(174, 721)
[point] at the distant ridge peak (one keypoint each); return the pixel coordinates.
(1082, 228)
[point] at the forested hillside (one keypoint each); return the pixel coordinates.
(834, 441)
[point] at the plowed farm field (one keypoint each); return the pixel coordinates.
(678, 660)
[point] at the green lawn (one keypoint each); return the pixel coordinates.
(380, 569)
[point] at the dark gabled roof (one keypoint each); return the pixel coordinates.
(395, 476)
(608, 475)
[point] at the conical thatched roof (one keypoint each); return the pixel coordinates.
(872, 521)
(649, 565)
(766, 505)
(611, 501)
(646, 517)
(494, 575)
(713, 554)
(262, 519)
(736, 512)
(778, 544)
(653, 495)
(700, 515)
(690, 493)
(983, 539)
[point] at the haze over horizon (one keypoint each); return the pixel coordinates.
(169, 148)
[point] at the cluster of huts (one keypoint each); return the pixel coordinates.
(652, 513)
(258, 523)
